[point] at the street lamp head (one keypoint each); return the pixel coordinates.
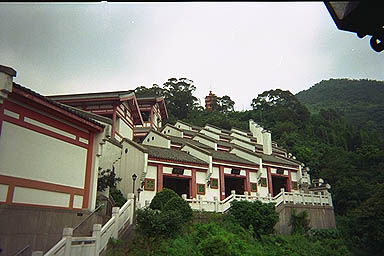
(134, 176)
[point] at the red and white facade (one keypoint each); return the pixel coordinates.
(47, 152)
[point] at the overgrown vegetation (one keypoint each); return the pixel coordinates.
(108, 179)
(340, 139)
(231, 234)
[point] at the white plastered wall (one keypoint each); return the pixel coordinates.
(238, 131)
(183, 126)
(133, 161)
(40, 197)
(253, 179)
(210, 192)
(210, 134)
(146, 194)
(263, 191)
(201, 179)
(208, 127)
(21, 152)
(204, 141)
(169, 130)
(123, 129)
(243, 144)
(154, 139)
(239, 136)
(245, 155)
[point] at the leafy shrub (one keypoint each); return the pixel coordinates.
(120, 200)
(262, 217)
(300, 222)
(181, 206)
(161, 198)
(323, 233)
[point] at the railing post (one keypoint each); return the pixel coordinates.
(216, 203)
(97, 235)
(184, 196)
(246, 196)
(233, 193)
(200, 203)
(320, 197)
(37, 253)
(303, 197)
(67, 234)
(312, 198)
(131, 197)
(330, 200)
(283, 194)
(115, 227)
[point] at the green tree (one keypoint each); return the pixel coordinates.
(262, 217)
(179, 97)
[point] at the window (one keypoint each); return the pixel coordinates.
(214, 183)
(149, 184)
(146, 116)
(295, 185)
(263, 182)
(201, 189)
(253, 187)
(126, 150)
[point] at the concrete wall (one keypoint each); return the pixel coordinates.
(320, 216)
(110, 155)
(40, 228)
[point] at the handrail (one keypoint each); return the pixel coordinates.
(88, 217)
(21, 251)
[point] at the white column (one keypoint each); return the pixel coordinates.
(97, 235)
(115, 226)
(67, 234)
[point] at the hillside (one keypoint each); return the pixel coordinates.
(359, 100)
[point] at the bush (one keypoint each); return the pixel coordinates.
(180, 206)
(262, 217)
(300, 222)
(120, 200)
(161, 198)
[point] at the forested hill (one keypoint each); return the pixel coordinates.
(359, 100)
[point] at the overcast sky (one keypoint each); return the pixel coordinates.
(236, 49)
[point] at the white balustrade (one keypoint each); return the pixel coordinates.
(94, 245)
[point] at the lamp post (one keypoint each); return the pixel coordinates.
(139, 190)
(134, 176)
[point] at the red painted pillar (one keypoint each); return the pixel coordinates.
(159, 177)
(247, 185)
(270, 190)
(222, 183)
(289, 181)
(193, 185)
(88, 171)
(114, 122)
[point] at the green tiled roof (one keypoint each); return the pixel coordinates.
(172, 154)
